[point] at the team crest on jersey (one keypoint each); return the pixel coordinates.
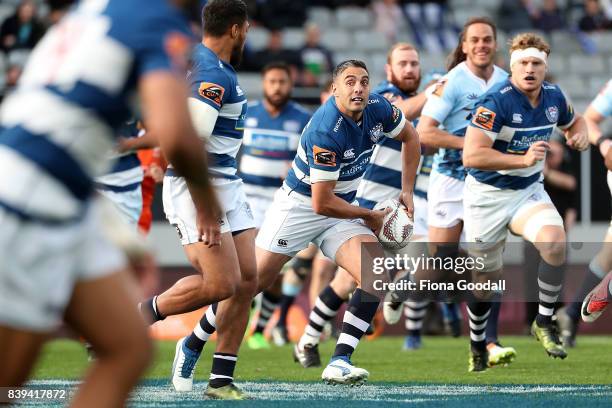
(439, 87)
(376, 132)
(212, 92)
(484, 118)
(552, 114)
(324, 157)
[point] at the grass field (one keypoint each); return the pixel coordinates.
(435, 375)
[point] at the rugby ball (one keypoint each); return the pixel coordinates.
(397, 226)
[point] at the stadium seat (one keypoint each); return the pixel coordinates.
(293, 38)
(370, 41)
(346, 55)
(376, 64)
(322, 16)
(564, 42)
(575, 86)
(558, 64)
(18, 57)
(603, 40)
(336, 40)
(251, 84)
(587, 64)
(257, 38)
(596, 84)
(6, 10)
(354, 17)
(432, 61)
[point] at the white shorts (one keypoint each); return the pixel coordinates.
(128, 204)
(180, 210)
(259, 206)
(41, 265)
(489, 211)
(421, 228)
(291, 224)
(445, 200)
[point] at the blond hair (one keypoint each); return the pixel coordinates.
(399, 46)
(529, 40)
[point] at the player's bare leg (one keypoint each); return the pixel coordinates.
(218, 279)
(19, 350)
(103, 312)
(323, 271)
(232, 319)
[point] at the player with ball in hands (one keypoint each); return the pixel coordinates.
(317, 200)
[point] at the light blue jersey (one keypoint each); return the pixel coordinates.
(78, 87)
(455, 97)
(507, 117)
(269, 147)
(215, 83)
(333, 147)
(603, 102)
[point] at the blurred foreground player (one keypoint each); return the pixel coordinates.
(57, 129)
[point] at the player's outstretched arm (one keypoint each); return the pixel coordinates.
(164, 104)
(577, 135)
(593, 118)
(325, 202)
(478, 153)
(432, 136)
(411, 155)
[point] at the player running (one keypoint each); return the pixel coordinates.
(504, 149)
(271, 137)
(597, 300)
(57, 129)
(218, 108)
(315, 202)
(472, 73)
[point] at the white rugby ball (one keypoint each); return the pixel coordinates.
(397, 226)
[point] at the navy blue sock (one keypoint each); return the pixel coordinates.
(550, 282)
(285, 304)
(149, 311)
(357, 319)
(492, 321)
(203, 330)
(222, 371)
(479, 312)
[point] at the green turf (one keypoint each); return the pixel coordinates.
(442, 360)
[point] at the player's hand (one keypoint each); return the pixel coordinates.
(406, 198)
(123, 145)
(536, 153)
(155, 172)
(578, 141)
(375, 220)
(608, 159)
(208, 222)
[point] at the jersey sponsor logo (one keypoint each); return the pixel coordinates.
(324, 157)
(371, 101)
(212, 92)
(552, 114)
(517, 118)
(396, 113)
(439, 87)
(504, 90)
(484, 118)
(376, 132)
(337, 124)
(349, 154)
(239, 90)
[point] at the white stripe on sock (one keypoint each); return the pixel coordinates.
(477, 337)
(210, 316)
(412, 325)
(478, 318)
(317, 319)
(547, 298)
(265, 313)
(231, 358)
(548, 286)
(216, 376)
(200, 333)
(312, 332)
(324, 309)
(480, 326)
(355, 321)
(348, 339)
(415, 314)
(545, 311)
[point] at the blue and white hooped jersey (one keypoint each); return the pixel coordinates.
(506, 116)
(269, 146)
(126, 173)
(603, 101)
(75, 92)
(383, 176)
(451, 104)
(215, 83)
(333, 147)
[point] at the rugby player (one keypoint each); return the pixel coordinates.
(218, 109)
(471, 72)
(504, 150)
(57, 129)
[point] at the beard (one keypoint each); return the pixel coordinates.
(236, 56)
(400, 84)
(277, 101)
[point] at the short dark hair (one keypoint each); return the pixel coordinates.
(218, 16)
(341, 67)
(276, 65)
